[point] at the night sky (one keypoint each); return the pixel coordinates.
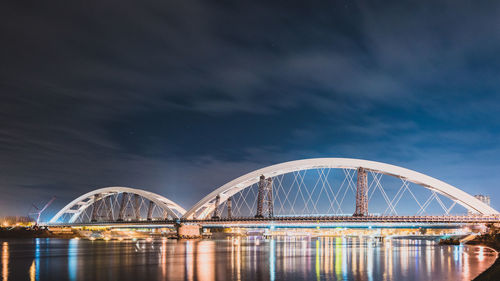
(179, 97)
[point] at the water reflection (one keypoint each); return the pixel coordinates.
(272, 260)
(481, 253)
(280, 258)
(5, 261)
(73, 259)
(35, 266)
(189, 261)
(205, 260)
(33, 271)
(318, 267)
(338, 258)
(163, 258)
(369, 262)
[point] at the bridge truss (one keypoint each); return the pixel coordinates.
(336, 187)
(321, 190)
(118, 204)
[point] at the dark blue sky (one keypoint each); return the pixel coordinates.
(179, 97)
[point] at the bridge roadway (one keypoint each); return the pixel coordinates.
(309, 221)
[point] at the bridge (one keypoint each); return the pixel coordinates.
(320, 192)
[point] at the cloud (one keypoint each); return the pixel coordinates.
(177, 96)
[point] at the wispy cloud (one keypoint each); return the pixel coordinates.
(176, 96)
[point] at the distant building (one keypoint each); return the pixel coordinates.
(483, 198)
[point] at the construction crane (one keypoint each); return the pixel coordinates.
(38, 211)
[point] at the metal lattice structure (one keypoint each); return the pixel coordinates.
(264, 196)
(269, 198)
(361, 193)
(115, 204)
(336, 186)
(215, 215)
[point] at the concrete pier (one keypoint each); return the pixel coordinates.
(188, 231)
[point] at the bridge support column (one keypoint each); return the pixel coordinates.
(109, 208)
(270, 206)
(188, 231)
(150, 210)
(260, 196)
(215, 214)
(122, 206)
(229, 207)
(137, 208)
(361, 193)
(95, 207)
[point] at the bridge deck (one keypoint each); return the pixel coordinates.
(299, 220)
(374, 219)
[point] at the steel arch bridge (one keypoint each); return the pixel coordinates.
(268, 184)
(118, 204)
(291, 192)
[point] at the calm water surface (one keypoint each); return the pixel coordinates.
(242, 259)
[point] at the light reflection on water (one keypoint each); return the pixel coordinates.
(73, 259)
(272, 259)
(280, 258)
(5, 261)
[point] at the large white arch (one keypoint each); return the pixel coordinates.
(205, 205)
(83, 202)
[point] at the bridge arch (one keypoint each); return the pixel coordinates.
(202, 209)
(76, 207)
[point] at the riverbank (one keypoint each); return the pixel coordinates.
(449, 241)
(492, 241)
(27, 232)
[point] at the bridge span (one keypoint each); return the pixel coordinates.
(422, 226)
(303, 193)
(375, 221)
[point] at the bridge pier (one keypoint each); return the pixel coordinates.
(95, 208)
(229, 204)
(137, 208)
(122, 206)
(260, 196)
(109, 208)
(188, 231)
(215, 214)
(270, 206)
(361, 193)
(150, 211)
(265, 195)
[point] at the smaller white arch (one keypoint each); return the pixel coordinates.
(87, 199)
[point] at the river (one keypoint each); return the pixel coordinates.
(283, 258)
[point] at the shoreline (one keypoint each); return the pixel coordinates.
(492, 272)
(27, 233)
(492, 241)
